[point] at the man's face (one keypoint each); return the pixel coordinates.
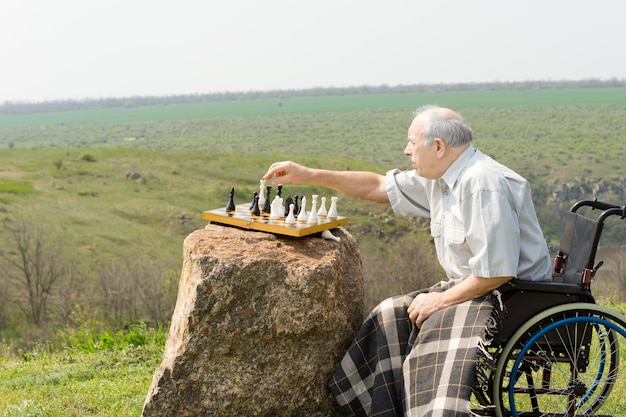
(423, 159)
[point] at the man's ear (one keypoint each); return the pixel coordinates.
(440, 147)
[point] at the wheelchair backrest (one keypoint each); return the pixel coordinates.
(575, 262)
(576, 247)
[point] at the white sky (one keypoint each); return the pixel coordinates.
(65, 49)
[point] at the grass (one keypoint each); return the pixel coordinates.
(16, 187)
(97, 374)
(85, 384)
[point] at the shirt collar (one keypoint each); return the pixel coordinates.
(455, 170)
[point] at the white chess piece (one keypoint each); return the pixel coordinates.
(313, 213)
(332, 211)
(275, 209)
(302, 216)
(261, 193)
(322, 211)
(326, 234)
(291, 219)
(280, 207)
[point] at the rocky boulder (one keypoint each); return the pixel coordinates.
(260, 324)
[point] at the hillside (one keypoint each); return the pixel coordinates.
(116, 190)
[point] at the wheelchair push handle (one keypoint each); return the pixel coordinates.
(609, 209)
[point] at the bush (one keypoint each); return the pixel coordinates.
(90, 337)
(87, 157)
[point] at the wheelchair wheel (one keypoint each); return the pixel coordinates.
(564, 362)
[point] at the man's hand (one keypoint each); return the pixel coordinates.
(286, 172)
(423, 306)
(426, 304)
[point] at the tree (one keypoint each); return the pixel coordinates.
(157, 291)
(119, 300)
(32, 267)
(137, 289)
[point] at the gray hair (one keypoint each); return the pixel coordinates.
(447, 125)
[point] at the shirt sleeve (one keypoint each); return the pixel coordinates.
(492, 234)
(407, 193)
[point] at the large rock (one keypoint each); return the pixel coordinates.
(260, 324)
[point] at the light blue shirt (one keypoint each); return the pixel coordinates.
(482, 218)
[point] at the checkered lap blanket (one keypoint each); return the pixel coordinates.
(395, 369)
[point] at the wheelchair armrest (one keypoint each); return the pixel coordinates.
(542, 286)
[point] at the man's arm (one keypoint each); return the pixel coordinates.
(424, 305)
(361, 184)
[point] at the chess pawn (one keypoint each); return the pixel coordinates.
(261, 193)
(332, 211)
(255, 206)
(291, 219)
(255, 195)
(327, 234)
(313, 213)
(302, 216)
(230, 207)
(322, 211)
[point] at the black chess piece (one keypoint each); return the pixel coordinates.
(267, 206)
(280, 190)
(288, 203)
(254, 195)
(231, 202)
(255, 206)
(296, 205)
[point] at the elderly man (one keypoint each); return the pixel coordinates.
(415, 354)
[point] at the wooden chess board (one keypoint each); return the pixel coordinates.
(242, 217)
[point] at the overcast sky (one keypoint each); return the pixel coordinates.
(67, 49)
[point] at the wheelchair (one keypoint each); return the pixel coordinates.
(556, 352)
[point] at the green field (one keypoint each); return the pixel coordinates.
(327, 105)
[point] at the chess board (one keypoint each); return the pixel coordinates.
(242, 218)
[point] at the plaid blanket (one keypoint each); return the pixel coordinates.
(395, 369)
